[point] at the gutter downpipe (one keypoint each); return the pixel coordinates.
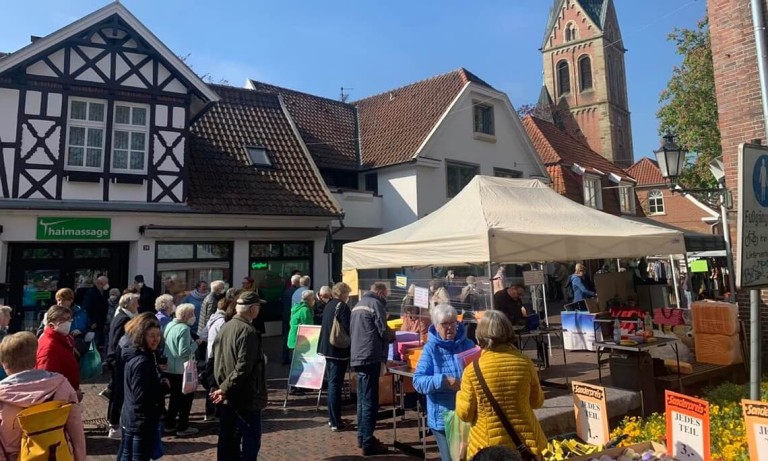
(755, 358)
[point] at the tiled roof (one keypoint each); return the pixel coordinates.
(394, 124)
(327, 127)
(558, 147)
(647, 172)
(221, 178)
(2, 55)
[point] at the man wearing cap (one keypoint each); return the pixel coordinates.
(146, 295)
(240, 374)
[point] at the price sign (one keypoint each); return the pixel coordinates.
(756, 425)
(687, 427)
(421, 297)
(401, 281)
(531, 278)
(591, 413)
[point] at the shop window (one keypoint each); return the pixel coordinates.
(42, 253)
(593, 192)
(266, 250)
(271, 265)
(181, 265)
(91, 253)
(458, 175)
(563, 78)
(175, 251)
(292, 250)
(656, 202)
(215, 250)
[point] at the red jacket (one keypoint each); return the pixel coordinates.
(56, 353)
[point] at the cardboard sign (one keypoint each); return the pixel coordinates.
(534, 278)
(591, 413)
(307, 367)
(687, 427)
(756, 426)
(401, 281)
(421, 297)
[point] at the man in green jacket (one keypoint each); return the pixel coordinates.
(240, 373)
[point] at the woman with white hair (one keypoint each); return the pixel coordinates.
(438, 375)
(179, 348)
(165, 308)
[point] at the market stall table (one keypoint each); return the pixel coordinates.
(398, 409)
(539, 336)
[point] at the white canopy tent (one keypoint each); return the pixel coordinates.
(502, 221)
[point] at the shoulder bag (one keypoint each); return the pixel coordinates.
(339, 337)
(522, 448)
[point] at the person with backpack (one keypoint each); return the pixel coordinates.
(144, 390)
(29, 390)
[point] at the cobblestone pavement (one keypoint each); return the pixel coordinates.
(297, 433)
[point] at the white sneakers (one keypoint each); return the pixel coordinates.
(115, 433)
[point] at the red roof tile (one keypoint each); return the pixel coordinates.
(647, 172)
(555, 146)
(328, 127)
(394, 124)
(221, 177)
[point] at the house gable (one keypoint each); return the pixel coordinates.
(98, 110)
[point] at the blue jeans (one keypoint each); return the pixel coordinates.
(442, 445)
(367, 402)
(136, 447)
(336, 370)
(239, 434)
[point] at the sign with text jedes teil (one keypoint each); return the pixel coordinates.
(589, 404)
(756, 427)
(752, 223)
(62, 228)
(687, 427)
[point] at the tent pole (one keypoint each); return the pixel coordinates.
(490, 277)
(674, 281)
(546, 312)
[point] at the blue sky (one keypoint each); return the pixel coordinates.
(373, 46)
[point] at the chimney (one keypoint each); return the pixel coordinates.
(391, 96)
(34, 38)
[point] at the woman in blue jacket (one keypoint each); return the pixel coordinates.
(580, 289)
(438, 375)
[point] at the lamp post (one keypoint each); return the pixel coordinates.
(671, 160)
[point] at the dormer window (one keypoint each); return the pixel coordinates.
(258, 157)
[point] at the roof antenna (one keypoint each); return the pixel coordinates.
(344, 97)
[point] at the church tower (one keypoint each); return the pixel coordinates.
(585, 78)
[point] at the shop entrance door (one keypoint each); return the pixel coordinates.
(37, 271)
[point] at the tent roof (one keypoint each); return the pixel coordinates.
(510, 221)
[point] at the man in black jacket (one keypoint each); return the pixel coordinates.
(370, 337)
(96, 305)
(146, 293)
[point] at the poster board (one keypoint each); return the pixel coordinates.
(531, 278)
(589, 404)
(421, 297)
(307, 367)
(756, 427)
(687, 427)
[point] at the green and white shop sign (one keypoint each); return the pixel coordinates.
(61, 228)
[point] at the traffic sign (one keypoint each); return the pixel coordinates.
(752, 239)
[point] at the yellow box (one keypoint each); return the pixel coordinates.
(395, 324)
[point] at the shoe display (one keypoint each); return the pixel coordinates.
(187, 432)
(115, 433)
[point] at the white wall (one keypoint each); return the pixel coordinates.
(398, 188)
(455, 140)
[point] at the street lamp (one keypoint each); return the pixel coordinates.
(671, 160)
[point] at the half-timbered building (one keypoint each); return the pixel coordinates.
(118, 159)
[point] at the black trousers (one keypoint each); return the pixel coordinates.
(179, 405)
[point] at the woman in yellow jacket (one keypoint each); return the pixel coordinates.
(513, 382)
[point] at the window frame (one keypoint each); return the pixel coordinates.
(269, 164)
(482, 108)
(627, 192)
(85, 124)
(131, 129)
(598, 192)
(655, 198)
(563, 64)
(507, 173)
(458, 164)
(582, 87)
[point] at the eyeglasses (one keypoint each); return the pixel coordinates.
(451, 324)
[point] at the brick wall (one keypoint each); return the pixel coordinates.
(679, 211)
(739, 105)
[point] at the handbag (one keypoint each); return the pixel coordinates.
(668, 316)
(522, 448)
(90, 363)
(189, 381)
(339, 337)
(457, 435)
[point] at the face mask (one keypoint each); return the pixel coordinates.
(113, 298)
(64, 327)
(105, 287)
(140, 285)
(191, 321)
